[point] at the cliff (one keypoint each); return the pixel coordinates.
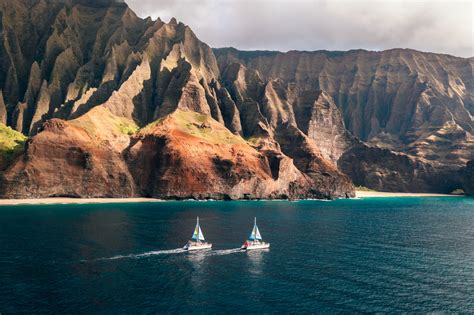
(411, 110)
(112, 104)
(183, 155)
(404, 100)
(118, 106)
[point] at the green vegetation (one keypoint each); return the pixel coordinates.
(12, 143)
(152, 125)
(204, 127)
(127, 128)
(201, 126)
(100, 123)
(253, 141)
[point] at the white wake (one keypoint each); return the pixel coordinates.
(219, 252)
(147, 254)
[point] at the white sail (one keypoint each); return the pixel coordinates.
(257, 234)
(201, 236)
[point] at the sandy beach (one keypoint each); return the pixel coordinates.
(362, 194)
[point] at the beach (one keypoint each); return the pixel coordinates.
(59, 201)
(372, 194)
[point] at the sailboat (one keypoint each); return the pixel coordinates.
(197, 240)
(255, 240)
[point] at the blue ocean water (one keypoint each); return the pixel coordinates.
(368, 255)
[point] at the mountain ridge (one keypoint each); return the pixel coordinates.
(381, 94)
(333, 52)
(102, 62)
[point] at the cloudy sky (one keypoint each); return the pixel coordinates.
(443, 26)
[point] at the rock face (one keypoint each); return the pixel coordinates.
(119, 106)
(60, 59)
(468, 176)
(417, 103)
(385, 170)
(405, 101)
(78, 158)
(191, 155)
(185, 155)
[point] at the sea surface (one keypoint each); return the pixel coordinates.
(367, 255)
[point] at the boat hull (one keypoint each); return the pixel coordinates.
(256, 246)
(194, 247)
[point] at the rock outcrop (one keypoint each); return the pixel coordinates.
(190, 155)
(77, 158)
(385, 170)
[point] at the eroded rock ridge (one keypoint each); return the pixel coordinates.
(119, 106)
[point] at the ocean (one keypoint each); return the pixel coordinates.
(350, 256)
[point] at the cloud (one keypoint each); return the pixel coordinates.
(441, 26)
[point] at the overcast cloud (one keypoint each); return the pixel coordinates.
(441, 26)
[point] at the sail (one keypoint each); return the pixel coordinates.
(255, 234)
(201, 236)
(252, 235)
(197, 235)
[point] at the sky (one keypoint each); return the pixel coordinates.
(441, 26)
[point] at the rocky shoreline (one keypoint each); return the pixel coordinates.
(78, 201)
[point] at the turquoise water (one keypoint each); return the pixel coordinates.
(369, 255)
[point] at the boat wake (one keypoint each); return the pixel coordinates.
(162, 252)
(147, 254)
(219, 252)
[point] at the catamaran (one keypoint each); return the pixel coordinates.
(197, 240)
(255, 240)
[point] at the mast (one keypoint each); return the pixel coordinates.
(198, 230)
(256, 232)
(255, 228)
(253, 234)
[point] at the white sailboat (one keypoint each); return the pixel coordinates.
(255, 239)
(197, 241)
